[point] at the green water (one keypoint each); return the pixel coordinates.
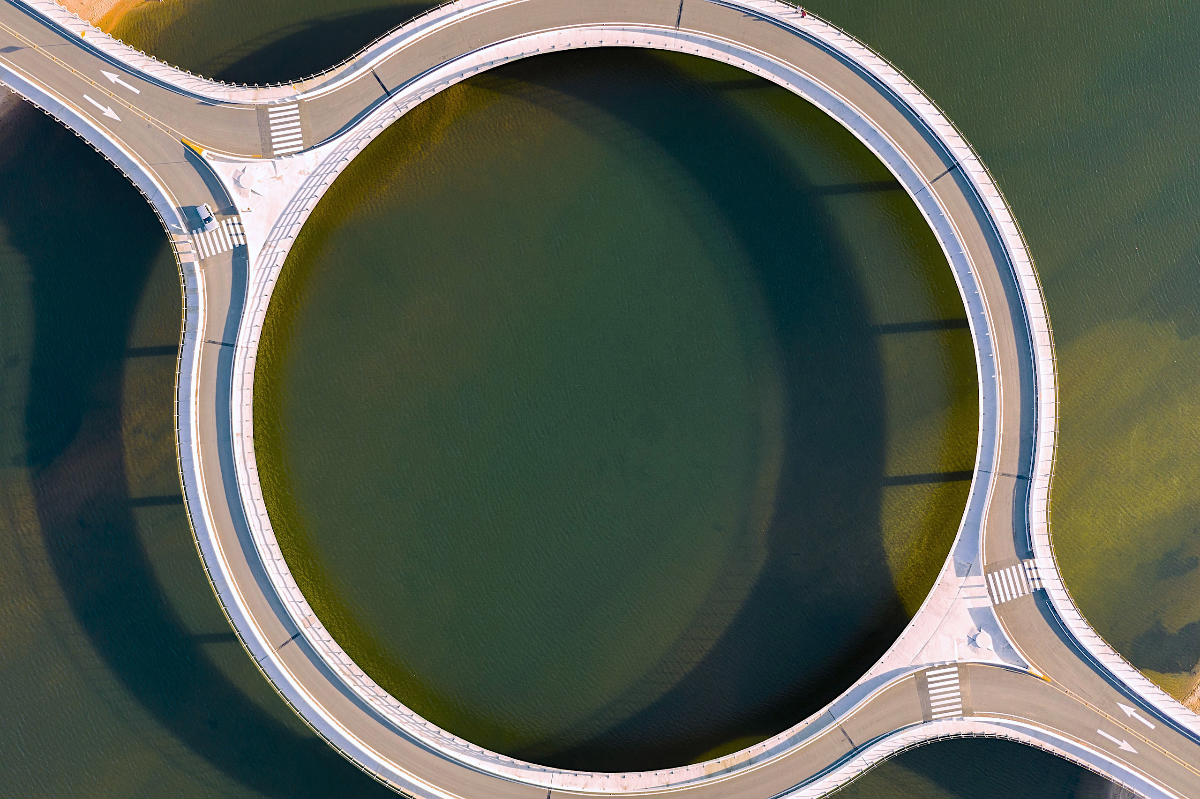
(603, 422)
(1082, 111)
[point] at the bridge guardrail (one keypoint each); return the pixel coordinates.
(267, 268)
(924, 109)
(303, 203)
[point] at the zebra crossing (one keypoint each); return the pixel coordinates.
(1007, 584)
(945, 694)
(283, 121)
(226, 236)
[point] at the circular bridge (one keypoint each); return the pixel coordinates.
(263, 156)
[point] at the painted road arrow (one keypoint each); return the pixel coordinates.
(1133, 714)
(1121, 743)
(115, 78)
(108, 112)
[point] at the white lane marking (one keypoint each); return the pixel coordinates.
(287, 135)
(115, 78)
(1121, 743)
(944, 692)
(1009, 581)
(1133, 714)
(228, 235)
(236, 233)
(108, 112)
(222, 237)
(999, 594)
(1005, 585)
(1005, 593)
(1031, 572)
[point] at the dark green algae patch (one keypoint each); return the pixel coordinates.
(615, 424)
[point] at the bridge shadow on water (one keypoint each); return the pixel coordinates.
(824, 606)
(102, 464)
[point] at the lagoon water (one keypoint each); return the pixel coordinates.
(126, 667)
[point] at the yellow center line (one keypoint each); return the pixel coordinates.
(167, 128)
(1137, 736)
(1061, 688)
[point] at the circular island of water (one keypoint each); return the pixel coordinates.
(615, 410)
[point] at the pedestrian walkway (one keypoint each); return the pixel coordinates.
(228, 234)
(945, 694)
(286, 134)
(1005, 585)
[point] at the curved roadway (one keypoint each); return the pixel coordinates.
(1066, 700)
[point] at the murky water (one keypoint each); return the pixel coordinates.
(1084, 118)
